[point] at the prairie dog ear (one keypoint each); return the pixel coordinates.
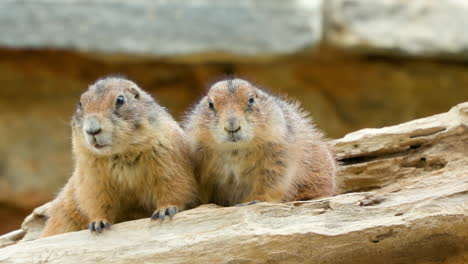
(135, 92)
(259, 94)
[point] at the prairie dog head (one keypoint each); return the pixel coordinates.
(112, 117)
(235, 113)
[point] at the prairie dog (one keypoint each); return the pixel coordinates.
(249, 145)
(131, 161)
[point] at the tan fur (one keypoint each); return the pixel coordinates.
(276, 155)
(144, 168)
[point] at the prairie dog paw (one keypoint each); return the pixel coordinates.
(98, 225)
(248, 203)
(161, 212)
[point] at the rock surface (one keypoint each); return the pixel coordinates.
(406, 202)
(163, 28)
(418, 27)
(203, 30)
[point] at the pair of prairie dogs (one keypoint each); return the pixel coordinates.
(133, 160)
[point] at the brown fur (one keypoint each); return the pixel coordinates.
(144, 168)
(276, 154)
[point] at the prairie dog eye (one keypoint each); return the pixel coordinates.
(211, 104)
(120, 101)
(251, 100)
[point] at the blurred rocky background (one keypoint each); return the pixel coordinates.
(352, 64)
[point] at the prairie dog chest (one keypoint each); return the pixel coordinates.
(233, 166)
(129, 171)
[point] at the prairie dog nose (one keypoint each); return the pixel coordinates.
(92, 126)
(232, 125)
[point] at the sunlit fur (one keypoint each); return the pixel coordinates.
(276, 155)
(143, 166)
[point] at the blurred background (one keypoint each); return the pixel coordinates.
(352, 63)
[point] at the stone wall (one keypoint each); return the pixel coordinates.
(352, 64)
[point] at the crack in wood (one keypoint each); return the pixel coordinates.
(427, 132)
(369, 158)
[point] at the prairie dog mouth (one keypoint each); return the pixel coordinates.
(234, 138)
(99, 146)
